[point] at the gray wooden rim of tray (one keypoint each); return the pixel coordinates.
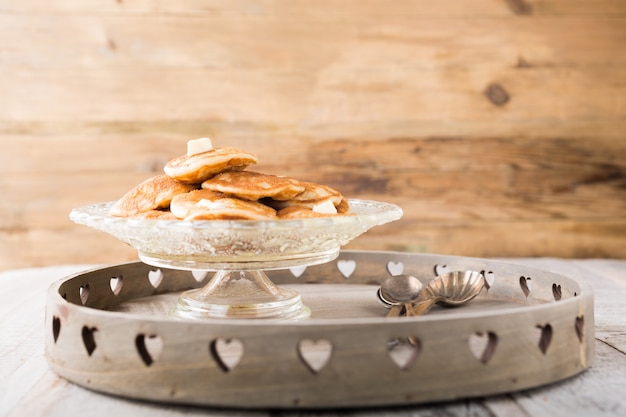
(546, 334)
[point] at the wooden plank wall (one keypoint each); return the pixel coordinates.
(498, 125)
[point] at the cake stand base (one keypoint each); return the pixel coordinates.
(241, 295)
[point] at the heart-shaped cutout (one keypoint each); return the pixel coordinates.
(525, 284)
(441, 270)
(89, 340)
(83, 293)
(483, 345)
(116, 284)
(346, 267)
(404, 351)
(198, 275)
(227, 353)
(149, 347)
(315, 354)
(395, 268)
(545, 337)
(556, 291)
(56, 328)
(489, 277)
(297, 271)
(579, 325)
(155, 278)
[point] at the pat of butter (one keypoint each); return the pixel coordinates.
(327, 207)
(198, 146)
(211, 205)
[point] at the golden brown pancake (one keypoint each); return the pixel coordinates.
(194, 169)
(313, 195)
(183, 205)
(233, 209)
(212, 205)
(157, 215)
(154, 193)
(299, 212)
(254, 186)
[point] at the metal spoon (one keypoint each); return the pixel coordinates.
(399, 291)
(451, 289)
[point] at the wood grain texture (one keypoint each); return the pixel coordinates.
(29, 387)
(513, 361)
(480, 118)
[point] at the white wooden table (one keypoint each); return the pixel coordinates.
(29, 388)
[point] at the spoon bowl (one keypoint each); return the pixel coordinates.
(457, 287)
(398, 291)
(450, 289)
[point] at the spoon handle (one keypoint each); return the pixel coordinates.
(395, 311)
(421, 307)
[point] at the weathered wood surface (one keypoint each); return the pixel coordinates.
(272, 366)
(29, 387)
(498, 125)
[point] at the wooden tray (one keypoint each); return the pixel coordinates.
(108, 330)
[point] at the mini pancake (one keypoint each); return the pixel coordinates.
(196, 168)
(183, 205)
(231, 209)
(156, 215)
(254, 186)
(154, 193)
(313, 195)
(299, 212)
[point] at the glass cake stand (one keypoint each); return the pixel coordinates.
(239, 251)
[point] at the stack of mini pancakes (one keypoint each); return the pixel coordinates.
(212, 184)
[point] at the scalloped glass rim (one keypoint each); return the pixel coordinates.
(238, 244)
